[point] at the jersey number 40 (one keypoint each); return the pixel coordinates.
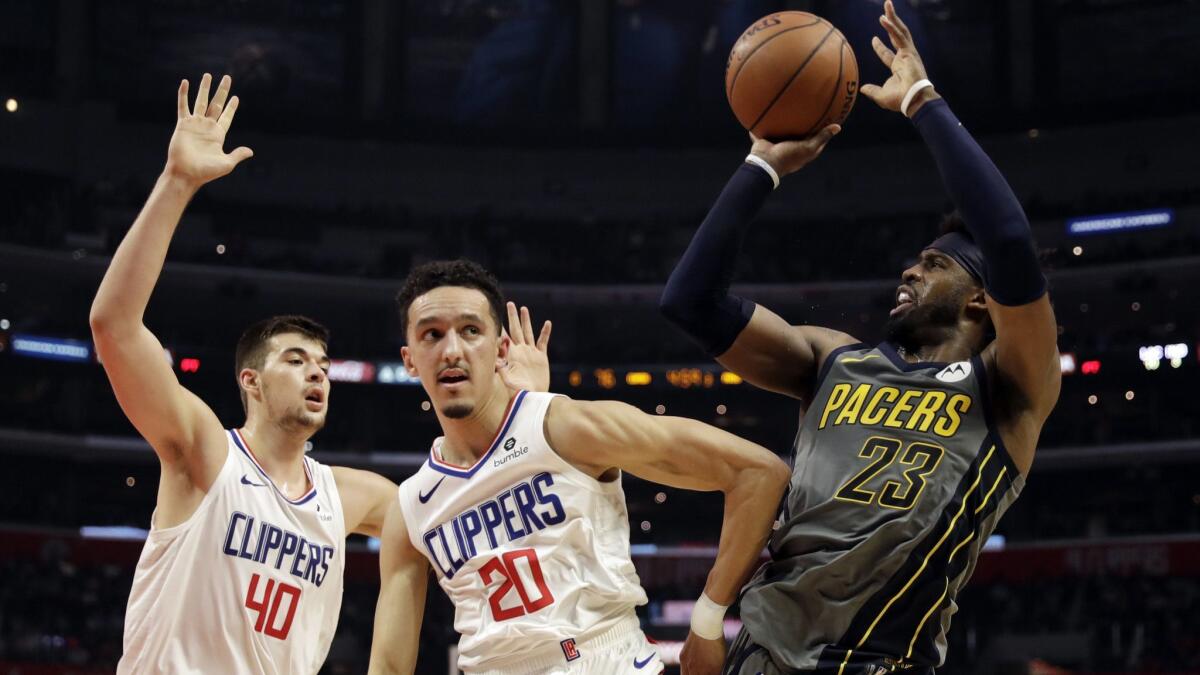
(284, 601)
(509, 567)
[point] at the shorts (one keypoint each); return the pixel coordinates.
(745, 657)
(622, 650)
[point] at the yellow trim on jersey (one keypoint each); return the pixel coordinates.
(945, 589)
(994, 486)
(851, 359)
(982, 504)
(924, 563)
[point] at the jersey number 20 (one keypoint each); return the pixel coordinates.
(919, 458)
(508, 568)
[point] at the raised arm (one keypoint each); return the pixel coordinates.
(598, 436)
(403, 581)
(366, 499)
(746, 338)
(178, 425)
(1024, 355)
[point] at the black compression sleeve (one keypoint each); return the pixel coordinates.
(697, 297)
(991, 211)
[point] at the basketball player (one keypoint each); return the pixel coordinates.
(519, 509)
(242, 569)
(910, 450)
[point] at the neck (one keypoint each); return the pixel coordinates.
(955, 346)
(466, 439)
(280, 451)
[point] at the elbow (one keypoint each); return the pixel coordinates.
(778, 473)
(108, 323)
(672, 305)
(684, 311)
(767, 474)
(99, 321)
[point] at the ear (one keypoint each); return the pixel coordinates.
(502, 350)
(409, 364)
(977, 302)
(248, 381)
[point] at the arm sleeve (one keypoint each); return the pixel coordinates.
(697, 297)
(991, 211)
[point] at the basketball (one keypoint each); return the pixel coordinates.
(789, 75)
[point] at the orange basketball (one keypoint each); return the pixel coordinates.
(789, 75)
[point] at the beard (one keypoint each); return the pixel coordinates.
(921, 325)
(457, 411)
(298, 419)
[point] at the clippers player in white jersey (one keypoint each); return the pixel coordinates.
(242, 569)
(519, 510)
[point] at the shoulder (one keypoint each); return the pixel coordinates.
(585, 417)
(358, 484)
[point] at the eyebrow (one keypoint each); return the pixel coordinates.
(465, 316)
(323, 359)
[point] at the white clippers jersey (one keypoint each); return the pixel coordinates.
(533, 552)
(250, 583)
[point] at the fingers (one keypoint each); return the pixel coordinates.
(241, 154)
(881, 50)
(544, 337)
(218, 100)
(527, 326)
(889, 10)
(896, 30)
(201, 105)
(829, 132)
(181, 100)
(820, 139)
(226, 118)
(893, 34)
(514, 324)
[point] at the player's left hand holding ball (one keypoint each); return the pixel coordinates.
(196, 155)
(702, 657)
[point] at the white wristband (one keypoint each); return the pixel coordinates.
(912, 93)
(708, 618)
(765, 166)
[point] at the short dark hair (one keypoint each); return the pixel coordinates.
(953, 222)
(252, 346)
(466, 273)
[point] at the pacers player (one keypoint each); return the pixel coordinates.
(519, 510)
(910, 450)
(242, 570)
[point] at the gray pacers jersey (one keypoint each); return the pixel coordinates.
(899, 479)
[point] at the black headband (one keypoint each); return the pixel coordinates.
(964, 252)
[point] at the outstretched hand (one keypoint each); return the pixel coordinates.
(788, 157)
(903, 60)
(528, 364)
(196, 153)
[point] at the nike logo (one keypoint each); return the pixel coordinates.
(643, 662)
(247, 481)
(424, 497)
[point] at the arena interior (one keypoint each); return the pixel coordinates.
(572, 147)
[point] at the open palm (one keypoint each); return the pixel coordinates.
(528, 364)
(902, 59)
(197, 150)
